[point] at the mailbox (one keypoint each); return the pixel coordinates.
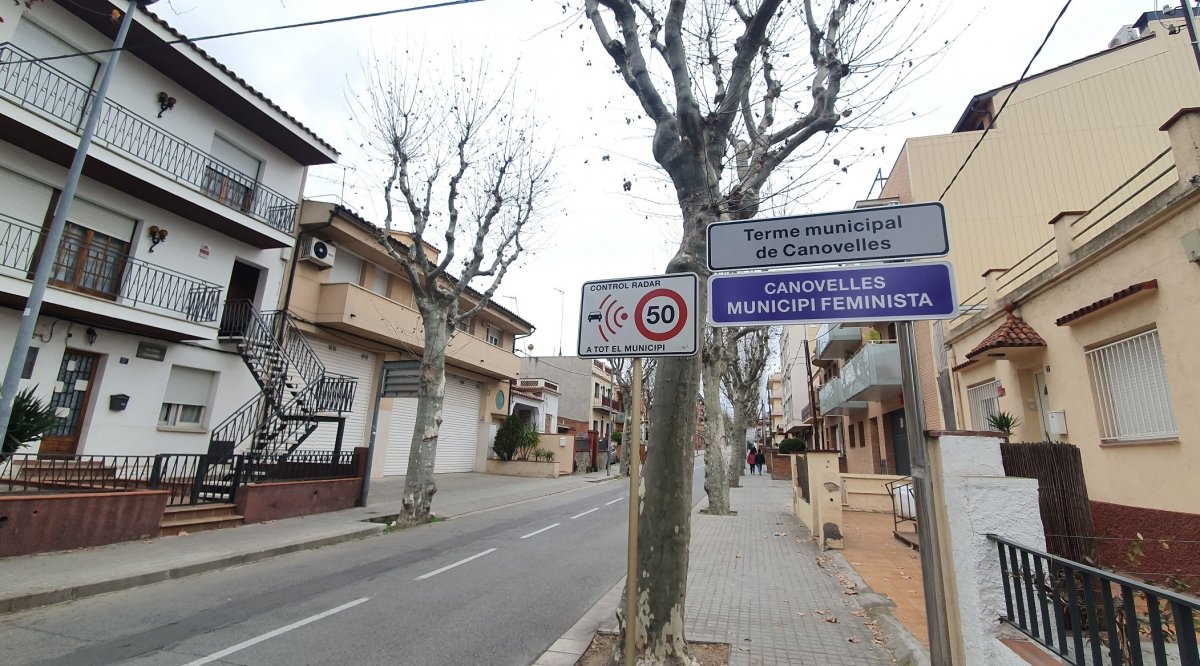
(117, 402)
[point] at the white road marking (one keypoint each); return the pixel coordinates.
(272, 634)
(580, 515)
(614, 501)
(549, 527)
(448, 567)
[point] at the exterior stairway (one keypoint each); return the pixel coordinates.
(199, 518)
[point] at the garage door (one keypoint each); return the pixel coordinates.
(340, 359)
(457, 438)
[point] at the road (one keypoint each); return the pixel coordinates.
(497, 587)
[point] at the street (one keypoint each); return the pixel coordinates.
(496, 587)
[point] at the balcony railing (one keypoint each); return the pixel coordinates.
(873, 373)
(1087, 616)
(834, 341)
(56, 96)
(99, 271)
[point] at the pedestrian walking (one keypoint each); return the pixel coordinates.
(760, 459)
(751, 458)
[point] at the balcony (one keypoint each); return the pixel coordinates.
(63, 101)
(834, 342)
(874, 373)
(100, 269)
(605, 403)
(352, 309)
(835, 400)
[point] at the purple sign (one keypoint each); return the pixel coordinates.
(881, 292)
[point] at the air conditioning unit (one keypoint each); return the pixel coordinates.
(318, 252)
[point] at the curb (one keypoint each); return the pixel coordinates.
(907, 650)
(567, 650)
(33, 600)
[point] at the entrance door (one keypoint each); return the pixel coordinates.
(899, 442)
(1043, 402)
(243, 288)
(74, 390)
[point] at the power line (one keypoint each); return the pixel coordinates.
(250, 31)
(1011, 93)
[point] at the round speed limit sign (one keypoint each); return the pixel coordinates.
(661, 315)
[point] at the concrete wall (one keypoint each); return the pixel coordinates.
(527, 468)
(261, 502)
(867, 492)
(822, 512)
(562, 446)
(42, 523)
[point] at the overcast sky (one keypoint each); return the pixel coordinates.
(597, 229)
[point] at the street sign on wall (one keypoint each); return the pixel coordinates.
(639, 317)
(880, 292)
(865, 234)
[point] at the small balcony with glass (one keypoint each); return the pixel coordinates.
(834, 342)
(835, 399)
(873, 374)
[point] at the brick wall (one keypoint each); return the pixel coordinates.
(43, 523)
(1117, 528)
(858, 457)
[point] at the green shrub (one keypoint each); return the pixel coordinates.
(31, 418)
(791, 446)
(1004, 422)
(616, 437)
(510, 437)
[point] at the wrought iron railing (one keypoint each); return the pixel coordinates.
(336, 393)
(37, 86)
(1087, 616)
(300, 465)
(80, 266)
(904, 502)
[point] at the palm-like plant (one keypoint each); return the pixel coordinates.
(1004, 422)
(31, 419)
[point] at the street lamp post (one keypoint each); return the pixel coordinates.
(41, 277)
(561, 304)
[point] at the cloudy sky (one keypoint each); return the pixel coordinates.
(597, 229)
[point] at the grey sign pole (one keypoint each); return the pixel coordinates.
(41, 276)
(931, 563)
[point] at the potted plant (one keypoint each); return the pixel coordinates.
(31, 419)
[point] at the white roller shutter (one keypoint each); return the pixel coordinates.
(459, 435)
(403, 422)
(24, 199)
(457, 439)
(97, 218)
(345, 360)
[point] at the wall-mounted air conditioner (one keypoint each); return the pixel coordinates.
(318, 252)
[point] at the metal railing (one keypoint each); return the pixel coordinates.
(34, 85)
(904, 502)
(189, 478)
(1087, 616)
(88, 269)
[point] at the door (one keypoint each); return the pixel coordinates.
(1043, 402)
(353, 362)
(899, 442)
(70, 401)
(243, 289)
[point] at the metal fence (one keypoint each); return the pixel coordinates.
(189, 478)
(1090, 617)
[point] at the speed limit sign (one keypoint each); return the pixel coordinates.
(644, 316)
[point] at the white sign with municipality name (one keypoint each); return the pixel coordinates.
(644, 316)
(864, 234)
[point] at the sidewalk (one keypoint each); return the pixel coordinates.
(757, 582)
(49, 578)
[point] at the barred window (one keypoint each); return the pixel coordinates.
(1129, 381)
(984, 401)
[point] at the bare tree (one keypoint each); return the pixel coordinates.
(743, 84)
(623, 376)
(742, 384)
(722, 460)
(463, 167)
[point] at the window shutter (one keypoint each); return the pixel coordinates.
(236, 158)
(113, 225)
(188, 386)
(25, 200)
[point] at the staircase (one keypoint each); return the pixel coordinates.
(296, 394)
(199, 518)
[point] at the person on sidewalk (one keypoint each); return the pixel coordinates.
(760, 459)
(752, 458)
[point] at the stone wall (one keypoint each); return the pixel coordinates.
(42, 523)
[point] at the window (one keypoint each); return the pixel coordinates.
(346, 268)
(1129, 381)
(90, 261)
(984, 401)
(377, 280)
(493, 336)
(231, 175)
(185, 402)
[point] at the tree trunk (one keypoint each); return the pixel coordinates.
(419, 487)
(716, 446)
(737, 462)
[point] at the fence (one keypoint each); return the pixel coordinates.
(1062, 495)
(190, 478)
(1087, 616)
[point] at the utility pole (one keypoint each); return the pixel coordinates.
(633, 449)
(817, 426)
(931, 563)
(561, 303)
(41, 277)
(1189, 17)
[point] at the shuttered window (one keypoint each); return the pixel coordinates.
(41, 44)
(1129, 381)
(186, 398)
(984, 401)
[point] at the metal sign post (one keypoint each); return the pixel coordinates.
(634, 451)
(931, 557)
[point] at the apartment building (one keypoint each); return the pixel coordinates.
(775, 394)
(586, 387)
(188, 200)
(355, 309)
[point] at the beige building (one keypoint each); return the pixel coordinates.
(357, 311)
(775, 392)
(1072, 213)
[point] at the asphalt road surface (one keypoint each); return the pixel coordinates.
(493, 588)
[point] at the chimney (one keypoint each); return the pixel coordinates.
(1184, 130)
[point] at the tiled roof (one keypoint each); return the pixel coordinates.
(1107, 301)
(1014, 332)
(963, 365)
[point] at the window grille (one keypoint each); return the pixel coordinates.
(985, 402)
(1129, 381)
